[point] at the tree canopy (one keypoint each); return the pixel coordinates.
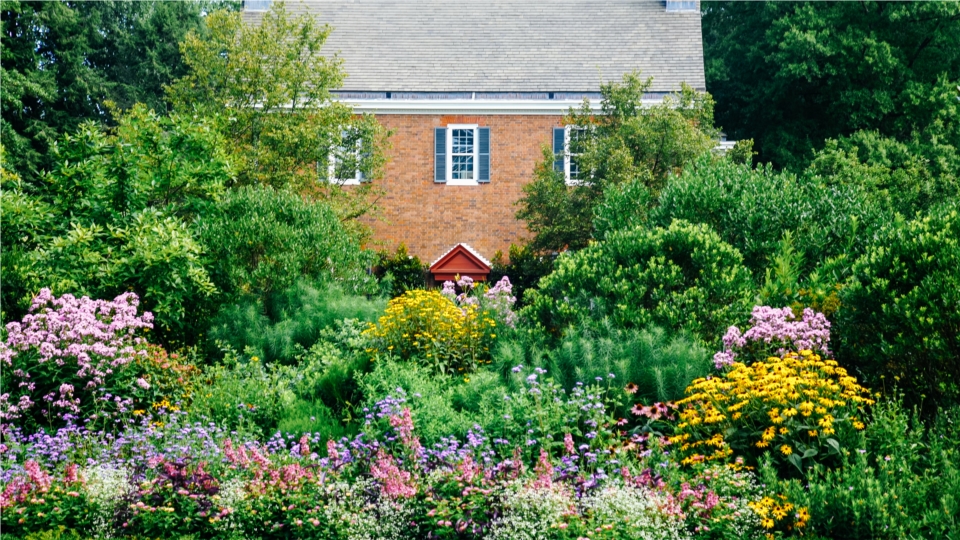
(791, 75)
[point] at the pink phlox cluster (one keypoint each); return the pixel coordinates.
(394, 482)
(95, 337)
(294, 473)
(500, 299)
(699, 498)
(332, 454)
(777, 331)
(236, 456)
(544, 471)
(403, 424)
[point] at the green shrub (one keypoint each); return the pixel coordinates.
(403, 272)
(623, 207)
(312, 417)
(260, 240)
(649, 362)
(524, 266)
(901, 480)
(282, 325)
(680, 277)
(751, 209)
(899, 321)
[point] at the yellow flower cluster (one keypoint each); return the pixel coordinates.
(788, 404)
(429, 327)
(783, 513)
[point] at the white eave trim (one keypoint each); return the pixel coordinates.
(471, 106)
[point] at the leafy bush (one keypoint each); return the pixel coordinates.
(403, 271)
(623, 207)
(113, 214)
(680, 277)
(428, 327)
(899, 480)
(260, 240)
(899, 319)
(283, 324)
(799, 406)
(751, 209)
(649, 363)
(524, 265)
(73, 358)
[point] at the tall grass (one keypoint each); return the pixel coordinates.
(278, 328)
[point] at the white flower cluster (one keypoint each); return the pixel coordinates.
(105, 485)
(634, 513)
(356, 518)
(531, 513)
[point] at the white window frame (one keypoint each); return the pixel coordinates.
(567, 155)
(451, 181)
(258, 7)
(358, 176)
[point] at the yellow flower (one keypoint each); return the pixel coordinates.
(786, 450)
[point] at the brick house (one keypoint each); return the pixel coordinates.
(473, 89)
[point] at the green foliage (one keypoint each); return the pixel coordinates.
(791, 75)
(402, 271)
(260, 240)
(649, 363)
(64, 61)
(529, 406)
(752, 209)
(624, 206)
(679, 277)
(901, 480)
(243, 394)
(896, 175)
(112, 215)
(626, 141)
(898, 319)
(282, 124)
(279, 327)
(524, 268)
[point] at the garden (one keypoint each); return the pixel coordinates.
(199, 343)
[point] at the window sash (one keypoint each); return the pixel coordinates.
(571, 168)
(462, 154)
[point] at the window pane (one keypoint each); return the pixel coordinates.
(574, 169)
(257, 5)
(463, 141)
(462, 168)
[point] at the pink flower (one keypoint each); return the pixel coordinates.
(394, 482)
(142, 383)
(544, 471)
(568, 444)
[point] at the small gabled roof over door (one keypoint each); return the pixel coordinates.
(461, 260)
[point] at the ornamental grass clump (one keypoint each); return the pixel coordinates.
(428, 327)
(799, 407)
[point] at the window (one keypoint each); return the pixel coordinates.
(573, 147)
(567, 145)
(462, 155)
(257, 5)
(682, 5)
(343, 164)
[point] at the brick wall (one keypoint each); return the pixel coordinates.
(430, 217)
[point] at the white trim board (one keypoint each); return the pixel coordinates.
(472, 106)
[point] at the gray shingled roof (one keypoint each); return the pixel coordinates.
(508, 45)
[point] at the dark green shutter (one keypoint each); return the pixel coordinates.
(440, 152)
(558, 137)
(483, 155)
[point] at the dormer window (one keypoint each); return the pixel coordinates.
(257, 5)
(682, 5)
